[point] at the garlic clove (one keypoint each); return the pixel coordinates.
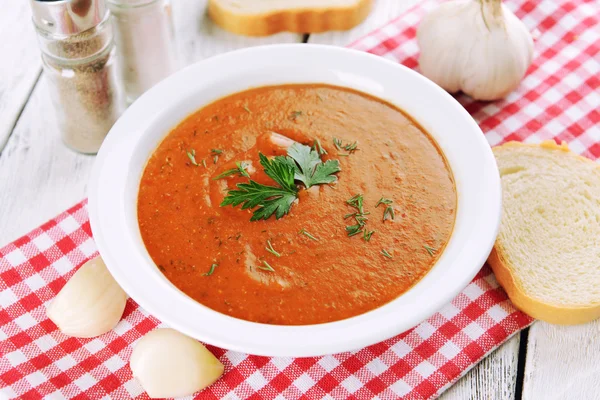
(90, 304)
(476, 46)
(169, 364)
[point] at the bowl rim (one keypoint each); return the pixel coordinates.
(124, 254)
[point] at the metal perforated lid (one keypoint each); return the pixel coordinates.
(67, 17)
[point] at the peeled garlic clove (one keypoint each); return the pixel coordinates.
(90, 304)
(169, 364)
(477, 46)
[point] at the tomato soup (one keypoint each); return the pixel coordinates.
(353, 203)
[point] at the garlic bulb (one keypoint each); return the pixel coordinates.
(477, 46)
(90, 304)
(169, 364)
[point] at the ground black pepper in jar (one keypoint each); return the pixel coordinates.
(80, 68)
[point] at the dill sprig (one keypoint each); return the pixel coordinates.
(192, 156)
(367, 235)
(266, 267)
(271, 250)
(240, 170)
(386, 254)
(383, 200)
(360, 217)
(307, 234)
(211, 270)
(354, 230)
(430, 250)
(294, 115)
(388, 213)
(337, 143)
(350, 147)
(356, 201)
(317, 147)
(216, 153)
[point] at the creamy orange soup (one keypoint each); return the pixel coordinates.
(306, 267)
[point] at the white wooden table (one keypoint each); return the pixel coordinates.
(39, 177)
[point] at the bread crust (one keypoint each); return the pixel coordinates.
(552, 313)
(299, 20)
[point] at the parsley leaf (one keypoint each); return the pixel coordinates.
(269, 199)
(302, 164)
(310, 170)
(281, 170)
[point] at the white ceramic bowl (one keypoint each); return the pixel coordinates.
(120, 163)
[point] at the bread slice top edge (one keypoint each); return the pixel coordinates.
(298, 17)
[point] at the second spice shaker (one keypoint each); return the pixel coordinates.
(145, 43)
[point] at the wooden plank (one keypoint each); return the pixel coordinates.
(20, 64)
(493, 378)
(383, 11)
(563, 362)
(39, 176)
(198, 37)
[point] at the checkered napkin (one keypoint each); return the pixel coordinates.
(559, 99)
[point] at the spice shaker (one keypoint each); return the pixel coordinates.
(79, 61)
(145, 41)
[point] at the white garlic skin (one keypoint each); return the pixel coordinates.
(91, 302)
(170, 364)
(477, 46)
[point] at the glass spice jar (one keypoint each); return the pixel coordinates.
(78, 56)
(144, 35)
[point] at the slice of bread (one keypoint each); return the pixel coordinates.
(265, 17)
(547, 254)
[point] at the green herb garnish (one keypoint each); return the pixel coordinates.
(211, 270)
(266, 267)
(301, 164)
(308, 235)
(337, 143)
(367, 235)
(247, 110)
(317, 146)
(241, 170)
(386, 254)
(354, 229)
(356, 202)
(388, 213)
(356, 214)
(271, 250)
(360, 216)
(216, 153)
(192, 156)
(350, 147)
(383, 200)
(309, 169)
(204, 163)
(430, 250)
(295, 114)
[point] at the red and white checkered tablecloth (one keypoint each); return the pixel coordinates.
(559, 98)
